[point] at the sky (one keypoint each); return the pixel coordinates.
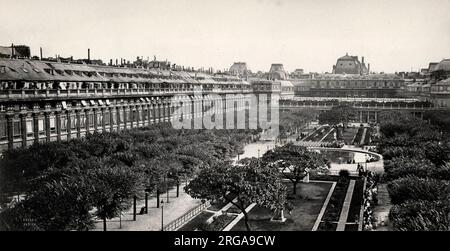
(393, 35)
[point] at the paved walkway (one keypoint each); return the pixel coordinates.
(346, 207)
(152, 221)
(381, 211)
(257, 149)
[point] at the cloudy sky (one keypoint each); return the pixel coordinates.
(393, 35)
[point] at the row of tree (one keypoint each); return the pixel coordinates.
(417, 171)
(64, 185)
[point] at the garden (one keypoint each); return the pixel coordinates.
(305, 207)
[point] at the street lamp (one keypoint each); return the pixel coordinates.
(162, 215)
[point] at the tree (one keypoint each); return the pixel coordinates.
(113, 189)
(57, 206)
(420, 216)
(341, 114)
(250, 182)
(294, 162)
(414, 188)
(440, 118)
(400, 167)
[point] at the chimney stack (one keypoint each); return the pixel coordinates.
(40, 52)
(368, 68)
(117, 61)
(89, 55)
(12, 51)
(362, 60)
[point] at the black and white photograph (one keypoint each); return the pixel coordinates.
(246, 118)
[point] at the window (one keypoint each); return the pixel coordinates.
(63, 122)
(82, 121)
(41, 125)
(73, 121)
(30, 127)
(135, 116)
(129, 116)
(17, 128)
(114, 118)
(52, 123)
(121, 117)
(99, 119)
(3, 129)
(91, 120)
(107, 118)
(145, 114)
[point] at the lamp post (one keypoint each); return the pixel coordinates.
(162, 215)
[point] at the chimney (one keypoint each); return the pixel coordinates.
(117, 61)
(110, 62)
(89, 55)
(12, 51)
(362, 60)
(368, 68)
(40, 50)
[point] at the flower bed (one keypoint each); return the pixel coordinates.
(355, 206)
(368, 138)
(334, 208)
(318, 134)
(370, 201)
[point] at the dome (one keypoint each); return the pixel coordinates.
(444, 65)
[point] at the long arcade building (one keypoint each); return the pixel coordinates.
(43, 101)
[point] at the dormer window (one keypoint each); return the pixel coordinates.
(36, 70)
(24, 70)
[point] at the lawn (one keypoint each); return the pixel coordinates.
(307, 204)
(348, 135)
(330, 136)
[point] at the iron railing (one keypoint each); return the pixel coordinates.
(174, 225)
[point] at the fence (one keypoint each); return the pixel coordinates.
(174, 225)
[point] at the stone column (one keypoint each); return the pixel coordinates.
(69, 124)
(77, 126)
(23, 122)
(58, 126)
(9, 124)
(112, 111)
(102, 110)
(47, 125)
(95, 110)
(36, 127)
